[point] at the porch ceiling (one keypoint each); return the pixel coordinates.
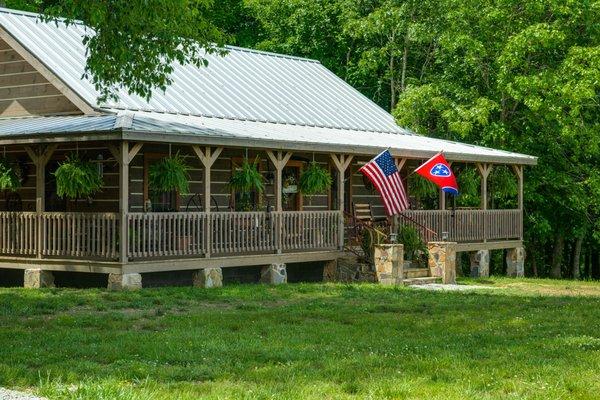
(156, 127)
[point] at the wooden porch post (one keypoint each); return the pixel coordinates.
(400, 163)
(484, 171)
(124, 155)
(40, 158)
(341, 161)
(519, 172)
(279, 161)
(207, 158)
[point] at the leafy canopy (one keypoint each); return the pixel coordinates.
(134, 43)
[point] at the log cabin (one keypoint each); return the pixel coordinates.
(281, 110)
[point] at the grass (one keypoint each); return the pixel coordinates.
(533, 339)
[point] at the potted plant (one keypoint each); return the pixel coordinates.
(314, 180)
(9, 176)
(169, 174)
(245, 180)
(76, 178)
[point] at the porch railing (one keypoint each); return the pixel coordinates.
(18, 233)
(187, 233)
(171, 235)
(465, 226)
(80, 235)
(166, 234)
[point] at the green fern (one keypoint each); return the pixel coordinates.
(314, 180)
(77, 179)
(247, 178)
(9, 178)
(170, 173)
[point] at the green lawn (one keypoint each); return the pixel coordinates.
(535, 339)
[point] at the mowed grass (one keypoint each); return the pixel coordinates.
(529, 339)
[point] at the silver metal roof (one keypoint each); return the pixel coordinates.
(243, 85)
(247, 98)
(224, 132)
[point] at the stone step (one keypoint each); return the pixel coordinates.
(416, 273)
(421, 281)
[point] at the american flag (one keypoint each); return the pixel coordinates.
(384, 175)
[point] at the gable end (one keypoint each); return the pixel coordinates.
(28, 88)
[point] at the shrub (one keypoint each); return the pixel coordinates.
(413, 244)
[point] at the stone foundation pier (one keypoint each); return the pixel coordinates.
(274, 274)
(480, 264)
(37, 278)
(442, 261)
(515, 262)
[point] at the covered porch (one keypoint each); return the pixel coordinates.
(121, 231)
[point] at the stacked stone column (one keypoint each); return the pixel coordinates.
(442, 261)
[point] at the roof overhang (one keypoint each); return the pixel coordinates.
(142, 128)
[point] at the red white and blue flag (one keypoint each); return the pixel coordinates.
(384, 175)
(438, 171)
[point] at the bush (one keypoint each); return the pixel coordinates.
(413, 244)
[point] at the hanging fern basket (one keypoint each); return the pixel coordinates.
(9, 176)
(76, 178)
(170, 174)
(314, 180)
(247, 178)
(244, 180)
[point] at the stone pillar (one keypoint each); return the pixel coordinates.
(124, 281)
(389, 263)
(330, 271)
(274, 274)
(480, 264)
(208, 278)
(515, 262)
(442, 261)
(36, 278)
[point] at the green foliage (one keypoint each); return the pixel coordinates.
(414, 246)
(469, 185)
(245, 180)
(169, 174)
(424, 191)
(247, 177)
(314, 180)
(9, 178)
(134, 43)
(76, 179)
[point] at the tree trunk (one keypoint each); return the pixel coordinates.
(534, 267)
(588, 262)
(577, 257)
(392, 85)
(595, 264)
(404, 63)
(559, 246)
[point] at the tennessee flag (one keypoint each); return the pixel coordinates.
(438, 171)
